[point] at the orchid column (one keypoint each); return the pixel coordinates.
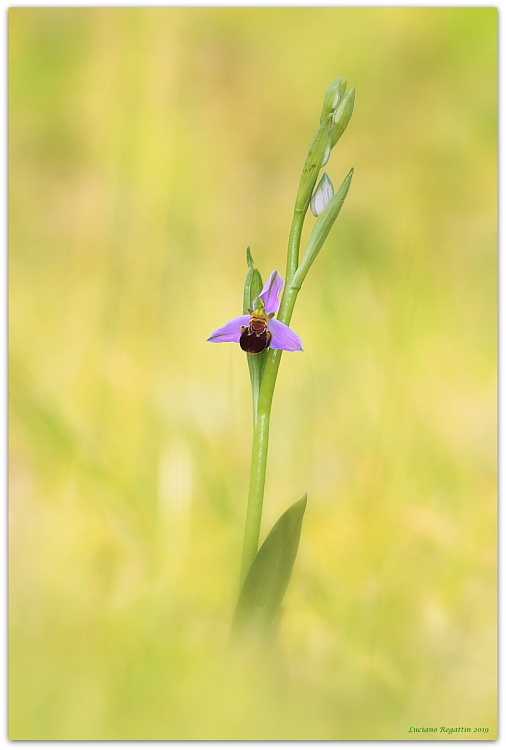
(265, 574)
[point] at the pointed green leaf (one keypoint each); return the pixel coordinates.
(256, 362)
(322, 227)
(265, 585)
(249, 258)
(253, 284)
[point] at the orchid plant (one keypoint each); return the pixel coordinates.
(265, 573)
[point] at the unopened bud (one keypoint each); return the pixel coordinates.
(322, 195)
(342, 115)
(334, 94)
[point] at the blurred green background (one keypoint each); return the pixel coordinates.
(148, 148)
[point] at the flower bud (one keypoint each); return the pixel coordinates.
(334, 94)
(342, 114)
(322, 195)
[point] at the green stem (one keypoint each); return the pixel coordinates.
(292, 262)
(263, 411)
(259, 464)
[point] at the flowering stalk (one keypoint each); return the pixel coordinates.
(264, 338)
(317, 158)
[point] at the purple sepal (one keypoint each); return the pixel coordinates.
(271, 293)
(284, 338)
(231, 331)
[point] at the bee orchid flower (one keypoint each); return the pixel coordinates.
(259, 330)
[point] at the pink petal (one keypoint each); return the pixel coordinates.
(283, 337)
(271, 293)
(231, 331)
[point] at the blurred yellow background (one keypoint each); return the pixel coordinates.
(148, 148)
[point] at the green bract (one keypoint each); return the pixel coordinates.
(321, 229)
(317, 157)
